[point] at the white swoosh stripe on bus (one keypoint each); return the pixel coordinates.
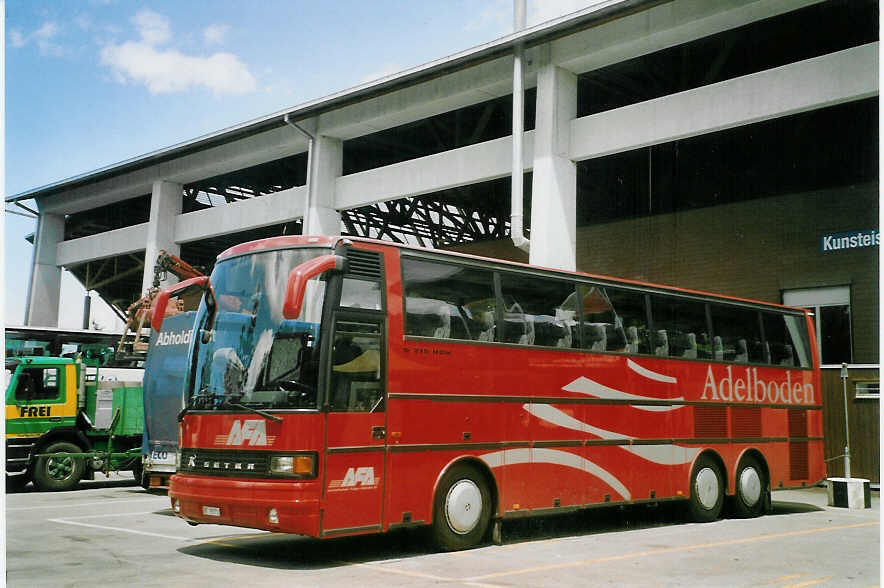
(591, 388)
(663, 454)
(556, 457)
(643, 371)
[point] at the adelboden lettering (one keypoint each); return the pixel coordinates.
(751, 388)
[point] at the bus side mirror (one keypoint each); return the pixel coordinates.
(162, 299)
(298, 278)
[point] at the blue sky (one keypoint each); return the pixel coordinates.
(94, 82)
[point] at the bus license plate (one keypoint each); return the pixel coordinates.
(211, 511)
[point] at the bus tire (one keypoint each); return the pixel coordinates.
(59, 473)
(462, 509)
(752, 488)
(707, 490)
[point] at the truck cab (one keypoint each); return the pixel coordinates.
(60, 419)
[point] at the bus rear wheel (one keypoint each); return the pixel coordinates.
(707, 490)
(462, 509)
(59, 472)
(751, 488)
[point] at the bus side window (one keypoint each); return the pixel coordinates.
(447, 301)
(536, 311)
(737, 335)
(680, 328)
(618, 316)
(787, 340)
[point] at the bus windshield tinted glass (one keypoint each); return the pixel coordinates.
(245, 352)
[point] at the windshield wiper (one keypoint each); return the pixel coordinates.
(257, 411)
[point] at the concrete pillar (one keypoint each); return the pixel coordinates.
(44, 289)
(554, 186)
(327, 163)
(165, 204)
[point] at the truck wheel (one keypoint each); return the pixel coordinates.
(59, 472)
(462, 509)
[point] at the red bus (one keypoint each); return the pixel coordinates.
(345, 386)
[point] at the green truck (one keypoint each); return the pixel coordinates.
(64, 422)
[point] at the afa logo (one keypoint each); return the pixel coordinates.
(252, 431)
(361, 478)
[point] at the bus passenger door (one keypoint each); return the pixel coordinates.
(353, 487)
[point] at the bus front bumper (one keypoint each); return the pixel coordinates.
(272, 505)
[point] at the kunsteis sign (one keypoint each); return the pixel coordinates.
(850, 240)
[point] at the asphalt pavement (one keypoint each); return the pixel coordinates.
(110, 532)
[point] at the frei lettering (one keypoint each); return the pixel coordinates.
(746, 386)
(35, 411)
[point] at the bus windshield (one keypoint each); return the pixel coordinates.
(245, 352)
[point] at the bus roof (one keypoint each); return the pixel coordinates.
(290, 241)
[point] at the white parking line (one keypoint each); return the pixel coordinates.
(113, 514)
(134, 532)
(66, 506)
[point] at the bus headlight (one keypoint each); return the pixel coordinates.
(296, 466)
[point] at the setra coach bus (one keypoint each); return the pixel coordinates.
(340, 386)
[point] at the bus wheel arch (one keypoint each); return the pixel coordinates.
(462, 486)
(708, 486)
(751, 485)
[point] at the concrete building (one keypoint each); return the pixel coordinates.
(727, 145)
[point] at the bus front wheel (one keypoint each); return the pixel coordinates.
(707, 490)
(462, 509)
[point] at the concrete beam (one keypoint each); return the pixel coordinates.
(228, 157)
(103, 245)
(44, 287)
(326, 163)
(165, 206)
(271, 209)
(851, 74)
(666, 25)
(554, 185)
(456, 89)
(468, 165)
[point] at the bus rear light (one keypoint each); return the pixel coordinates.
(273, 517)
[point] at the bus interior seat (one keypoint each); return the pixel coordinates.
(781, 354)
(742, 352)
(759, 352)
(632, 339)
(615, 337)
(661, 343)
(427, 317)
(594, 337)
(548, 332)
(717, 348)
(683, 345)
